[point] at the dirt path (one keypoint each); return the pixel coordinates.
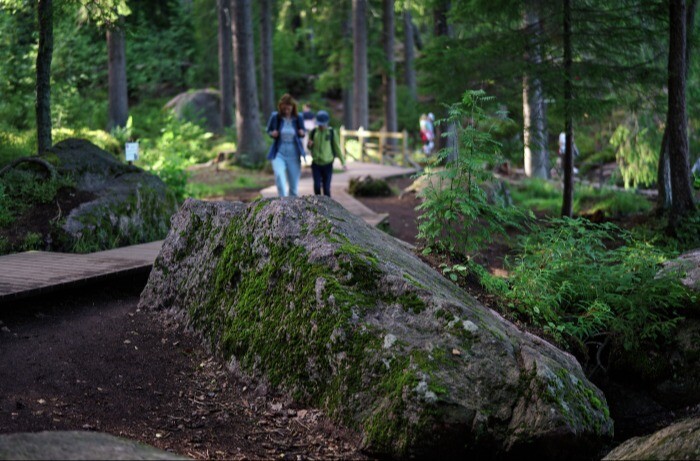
(93, 361)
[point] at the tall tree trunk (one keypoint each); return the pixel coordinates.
(225, 62)
(677, 124)
(441, 25)
(536, 155)
(348, 120)
(118, 96)
(567, 208)
(43, 75)
(251, 144)
(443, 28)
(664, 198)
(389, 74)
(360, 92)
(409, 55)
(665, 195)
(268, 88)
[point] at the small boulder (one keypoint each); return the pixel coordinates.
(677, 441)
(76, 445)
(199, 106)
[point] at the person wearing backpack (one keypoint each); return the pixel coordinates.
(324, 147)
(286, 127)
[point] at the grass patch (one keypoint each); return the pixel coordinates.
(207, 182)
(545, 197)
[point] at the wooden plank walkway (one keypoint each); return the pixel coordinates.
(38, 272)
(339, 186)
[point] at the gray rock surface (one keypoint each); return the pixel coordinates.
(689, 265)
(76, 445)
(199, 106)
(130, 206)
(302, 294)
(678, 441)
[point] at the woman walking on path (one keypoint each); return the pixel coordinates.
(324, 147)
(286, 127)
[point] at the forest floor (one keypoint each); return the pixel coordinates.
(91, 360)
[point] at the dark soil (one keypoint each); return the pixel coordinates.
(91, 360)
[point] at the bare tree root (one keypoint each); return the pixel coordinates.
(39, 161)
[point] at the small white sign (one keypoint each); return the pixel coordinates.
(132, 151)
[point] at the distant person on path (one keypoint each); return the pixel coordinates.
(309, 124)
(427, 132)
(286, 127)
(562, 150)
(324, 147)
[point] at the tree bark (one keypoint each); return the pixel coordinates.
(665, 195)
(225, 62)
(567, 208)
(441, 25)
(389, 74)
(409, 55)
(43, 75)
(681, 188)
(451, 140)
(348, 111)
(360, 91)
(251, 144)
(268, 88)
(118, 93)
(536, 154)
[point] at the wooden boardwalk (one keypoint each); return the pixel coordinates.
(339, 186)
(38, 272)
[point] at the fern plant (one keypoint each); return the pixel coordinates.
(572, 283)
(461, 210)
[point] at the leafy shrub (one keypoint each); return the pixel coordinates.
(458, 213)
(181, 144)
(569, 281)
(637, 152)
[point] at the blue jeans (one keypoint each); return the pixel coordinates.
(287, 169)
(322, 177)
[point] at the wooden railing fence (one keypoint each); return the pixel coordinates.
(384, 147)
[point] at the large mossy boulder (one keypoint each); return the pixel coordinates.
(306, 296)
(128, 206)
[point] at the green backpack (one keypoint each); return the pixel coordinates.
(330, 131)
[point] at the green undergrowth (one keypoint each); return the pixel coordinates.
(20, 188)
(585, 283)
(544, 197)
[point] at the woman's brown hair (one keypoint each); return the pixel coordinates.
(287, 99)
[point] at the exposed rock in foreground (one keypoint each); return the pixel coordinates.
(76, 445)
(678, 441)
(303, 294)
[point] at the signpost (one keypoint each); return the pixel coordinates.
(131, 150)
